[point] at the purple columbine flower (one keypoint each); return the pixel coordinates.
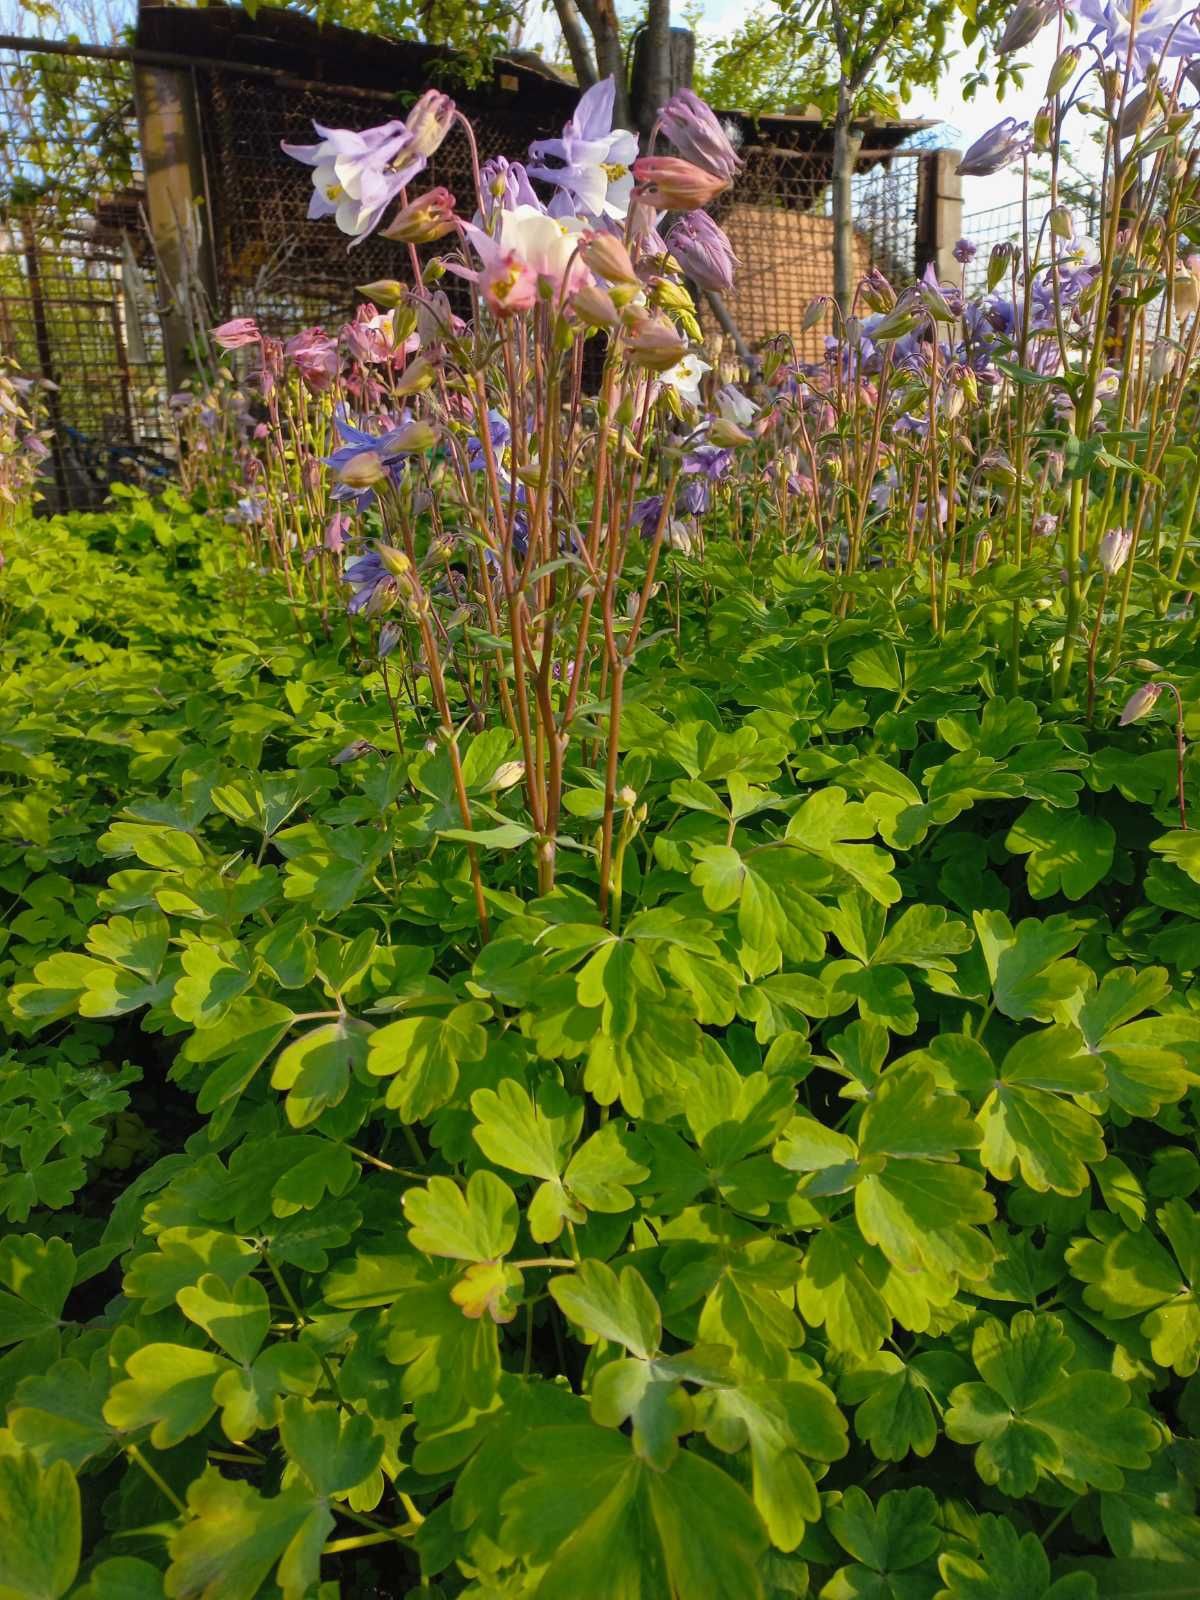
(995, 149)
(505, 184)
(703, 251)
(315, 357)
(708, 461)
(374, 586)
(695, 132)
(646, 515)
(595, 159)
(965, 251)
(390, 447)
(500, 434)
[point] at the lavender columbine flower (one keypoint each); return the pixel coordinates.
(1160, 30)
(703, 251)
(965, 251)
(695, 132)
(596, 159)
(374, 586)
(994, 150)
(646, 515)
(356, 176)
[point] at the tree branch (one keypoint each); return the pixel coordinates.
(576, 42)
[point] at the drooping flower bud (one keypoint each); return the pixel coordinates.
(1063, 70)
(998, 264)
(428, 217)
(386, 293)
(1043, 128)
(417, 376)
(1062, 224)
(726, 433)
(671, 184)
(982, 553)
(594, 307)
(393, 560)
(1140, 703)
(415, 436)
(703, 251)
(876, 292)
(654, 344)
(1025, 22)
(1114, 549)
(608, 258)
(429, 121)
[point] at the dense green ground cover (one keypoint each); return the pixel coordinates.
(824, 1224)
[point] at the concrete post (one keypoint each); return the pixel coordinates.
(173, 163)
(939, 212)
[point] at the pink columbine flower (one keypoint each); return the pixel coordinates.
(314, 355)
(238, 333)
(695, 132)
(670, 184)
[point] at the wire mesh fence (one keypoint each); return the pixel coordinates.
(1009, 224)
(80, 297)
(77, 298)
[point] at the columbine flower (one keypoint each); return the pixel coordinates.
(364, 459)
(995, 149)
(1140, 703)
(531, 248)
(237, 334)
(1159, 31)
(596, 158)
(315, 357)
(356, 176)
(734, 406)
(669, 184)
(965, 251)
(695, 132)
(374, 586)
(506, 184)
(428, 217)
(685, 377)
(703, 251)
(1114, 549)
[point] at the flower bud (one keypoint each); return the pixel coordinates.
(654, 344)
(670, 184)
(1114, 550)
(417, 376)
(363, 469)
(1062, 224)
(983, 551)
(876, 292)
(1063, 70)
(415, 436)
(815, 311)
(595, 307)
(386, 293)
(428, 217)
(608, 258)
(395, 561)
(429, 122)
(1140, 703)
(998, 264)
(727, 434)
(1043, 128)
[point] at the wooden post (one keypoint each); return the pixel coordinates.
(45, 356)
(939, 212)
(173, 162)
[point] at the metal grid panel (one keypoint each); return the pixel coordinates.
(1007, 223)
(76, 276)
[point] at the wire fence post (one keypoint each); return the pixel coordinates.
(939, 212)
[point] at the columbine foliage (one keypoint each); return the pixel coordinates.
(611, 1065)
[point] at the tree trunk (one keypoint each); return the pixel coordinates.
(652, 82)
(576, 42)
(601, 18)
(846, 145)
